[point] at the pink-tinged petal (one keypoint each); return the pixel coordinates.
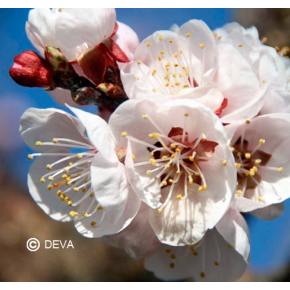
(234, 230)
(276, 102)
(223, 32)
(127, 39)
(75, 27)
(138, 239)
(46, 124)
(183, 222)
(99, 133)
(270, 212)
(111, 187)
(102, 223)
(212, 260)
(239, 84)
(202, 45)
(40, 28)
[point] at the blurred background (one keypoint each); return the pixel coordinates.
(91, 259)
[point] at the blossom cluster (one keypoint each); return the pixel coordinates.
(193, 131)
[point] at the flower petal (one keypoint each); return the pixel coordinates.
(270, 212)
(46, 124)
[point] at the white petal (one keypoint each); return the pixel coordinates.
(46, 124)
(270, 212)
(234, 230)
(138, 239)
(75, 27)
(99, 133)
(176, 263)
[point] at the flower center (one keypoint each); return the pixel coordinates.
(248, 164)
(174, 159)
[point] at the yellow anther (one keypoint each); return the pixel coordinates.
(174, 75)
(233, 149)
(124, 134)
(219, 37)
(74, 213)
(139, 61)
(91, 194)
(137, 78)
(188, 34)
(30, 156)
(176, 55)
(148, 172)
(201, 46)
(177, 83)
(178, 172)
(172, 145)
(202, 188)
(248, 122)
(179, 196)
(230, 246)
(263, 81)
(176, 65)
(84, 190)
(167, 165)
(280, 170)
(166, 84)
(191, 158)
(50, 178)
(238, 165)
(255, 168)
(154, 90)
(99, 207)
(79, 155)
(85, 214)
(49, 187)
(252, 172)
(48, 166)
(164, 157)
(154, 135)
(160, 37)
(58, 193)
(38, 143)
(153, 162)
(239, 154)
(240, 45)
(171, 180)
(66, 170)
(248, 155)
(167, 65)
(181, 51)
(186, 86)
(162, 52)
(258, 161)
(148, 44)
(70, 163)
(159, 58)
(170, 40)
(54, 140)
(69, 203)
(93, 223)
(239, 191)
(177, 150)
(164, 182)
(159, 210)
(259, 198)
(153, 72)
(173, 156)
(64, 176)
(262, 141)
(133, 157)
(225, 162)
(42, 180)
(76, 189)
(190, 181)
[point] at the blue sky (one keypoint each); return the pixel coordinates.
(270, 241)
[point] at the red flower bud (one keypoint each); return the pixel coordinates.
(30, 70)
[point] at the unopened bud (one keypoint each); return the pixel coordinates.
(30, 70)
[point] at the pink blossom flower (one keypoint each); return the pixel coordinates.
(179, 163)
(76, 176)
(260, 149)
(191, 64)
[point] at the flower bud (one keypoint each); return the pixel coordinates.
(30, 70)
(57, 59)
